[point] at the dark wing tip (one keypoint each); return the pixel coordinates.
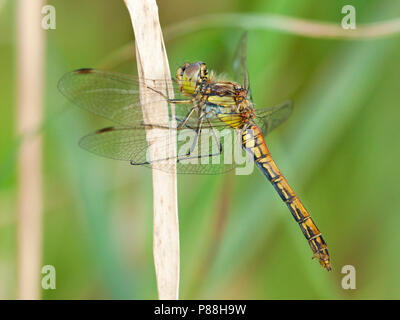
(84, 71)
(64, 79)
(107, 129)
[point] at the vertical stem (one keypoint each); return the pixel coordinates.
(30, 88)
(152, 63)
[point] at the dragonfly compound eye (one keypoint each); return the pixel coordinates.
(189, 76)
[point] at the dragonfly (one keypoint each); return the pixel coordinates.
(202, 103)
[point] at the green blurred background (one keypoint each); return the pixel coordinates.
(339, 150)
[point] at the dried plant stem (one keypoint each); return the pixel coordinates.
(30, 90)
(152, 63)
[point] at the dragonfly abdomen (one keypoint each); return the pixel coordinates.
(253, 142)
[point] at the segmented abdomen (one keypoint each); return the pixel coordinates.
(253, 142)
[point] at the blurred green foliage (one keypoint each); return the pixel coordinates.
(339, 151)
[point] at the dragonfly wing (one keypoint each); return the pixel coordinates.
(111, 95)
(240, 72)
(270, 118)
(130, 144)
(116, 143)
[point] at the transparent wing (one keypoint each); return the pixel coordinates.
(130, 144)
(216, 149)
(240, 72)
(116, 97)
(113, 95)
(270, 118)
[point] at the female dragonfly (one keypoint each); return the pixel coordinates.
(205, 105)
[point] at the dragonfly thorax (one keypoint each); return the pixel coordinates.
(217, 97)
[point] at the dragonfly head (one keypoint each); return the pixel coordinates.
(190, 76)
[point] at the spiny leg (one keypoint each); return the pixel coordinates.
(185, 120)
(218, 141)
(195, 141)
(196, 136)
(181, 122)
(175, 101)
(215, 136)
(220, 149)
(186, 157)
(180, 101)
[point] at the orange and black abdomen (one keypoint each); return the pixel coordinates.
(253, 142)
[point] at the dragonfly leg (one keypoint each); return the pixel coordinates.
(196, 137)
(186, 125)
(215, 136)
(180, 101)
(176, 101)
(182, 158)
(184, 120)
(187, 157)
(198, 130)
